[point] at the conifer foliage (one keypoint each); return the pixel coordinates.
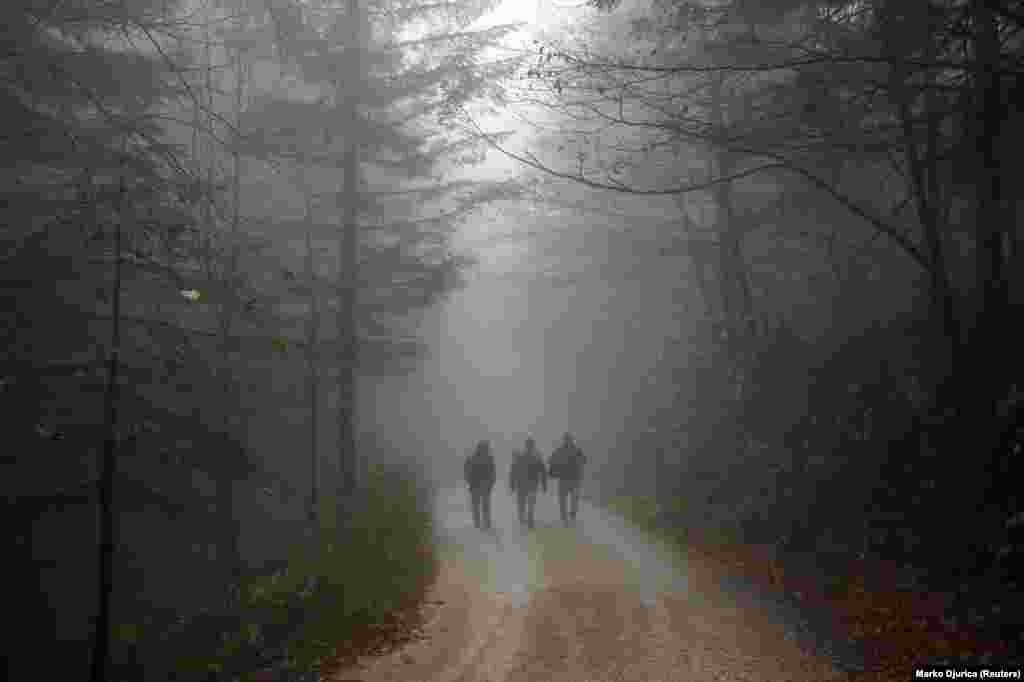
(150, 308)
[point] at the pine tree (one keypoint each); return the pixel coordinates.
(374, 118)
(94, 215)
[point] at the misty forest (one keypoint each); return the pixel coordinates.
(274, 274)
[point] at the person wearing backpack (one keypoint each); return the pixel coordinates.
(566, 464)
(481, 475)
(526, 474)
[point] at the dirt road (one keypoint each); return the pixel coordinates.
(594, 603)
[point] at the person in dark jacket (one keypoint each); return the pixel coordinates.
(566, 464)
(481, 475)
(526, 474)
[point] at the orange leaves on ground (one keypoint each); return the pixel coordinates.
(898, 628)
(904, 627)
(390, 631)
(394, 630)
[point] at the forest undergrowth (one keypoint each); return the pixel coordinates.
(898, 626)
(325, 606)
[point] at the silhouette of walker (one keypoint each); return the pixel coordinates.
(481, 475)
(526, 474)
(566, 464)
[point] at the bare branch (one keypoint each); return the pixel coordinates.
(777, 163)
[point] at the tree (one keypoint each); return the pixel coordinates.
(88, 154)
(113, 226)
(102, 202)
(663, 75)
(826, 93)
(895, 113)
(376, 98)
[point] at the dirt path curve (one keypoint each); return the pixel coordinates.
(594, 603)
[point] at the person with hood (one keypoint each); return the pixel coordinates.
(526, 474)
(566, 464)
(481, 475)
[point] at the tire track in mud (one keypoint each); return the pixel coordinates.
(545, 651)
(589, 604)
(612, 629)
(590, 625)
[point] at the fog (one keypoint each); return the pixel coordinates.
(270, 270)
(559, 327)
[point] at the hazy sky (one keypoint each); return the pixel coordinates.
(559, 327)
(554, 331)
(513, 11)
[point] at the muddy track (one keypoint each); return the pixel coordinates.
(596, 603)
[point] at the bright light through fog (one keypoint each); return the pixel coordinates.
(514, 12)
(533, 13)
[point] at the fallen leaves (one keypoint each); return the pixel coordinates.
(396, 629)
(898, 628)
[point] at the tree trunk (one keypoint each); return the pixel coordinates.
(990, 225)
(943, 289)
(662, 479)
(348, 267)
(925, 189)
(312, 377)
(737, 299)
(698, 258)
(100, 671)
(225, 485)
(992, 341)
(723, 219)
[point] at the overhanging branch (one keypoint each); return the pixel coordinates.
(777, 163)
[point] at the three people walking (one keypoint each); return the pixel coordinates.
(527, 474)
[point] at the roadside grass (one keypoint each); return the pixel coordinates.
(644, 514)
(332, 601)
(898, 627)
(377, 582)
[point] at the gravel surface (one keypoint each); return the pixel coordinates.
(592, 603)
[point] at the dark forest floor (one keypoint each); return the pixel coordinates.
(893, 622)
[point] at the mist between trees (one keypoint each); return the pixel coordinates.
(219, 217)
(838, 180)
